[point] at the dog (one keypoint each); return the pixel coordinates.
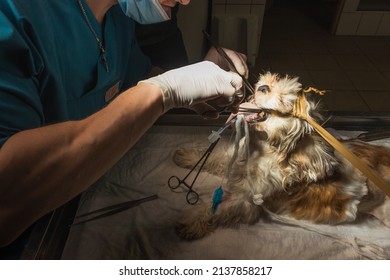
(286, 167)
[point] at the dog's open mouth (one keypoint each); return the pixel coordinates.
(256, 117)
(252, 113)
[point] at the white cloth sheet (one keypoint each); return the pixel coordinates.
(147, 231)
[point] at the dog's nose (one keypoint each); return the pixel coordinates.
(263, 88)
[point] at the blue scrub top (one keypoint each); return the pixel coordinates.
(51, 69)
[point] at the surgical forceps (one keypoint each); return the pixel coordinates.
(229, 62)
(174, 182)
(113, 209)
(232, 66)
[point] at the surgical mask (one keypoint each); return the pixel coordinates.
(144, 11)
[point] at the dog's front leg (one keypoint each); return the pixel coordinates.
(188, 157)
(235, 209)
(196, 222)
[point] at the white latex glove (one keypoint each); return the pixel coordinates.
(191, 86)
(238, 59)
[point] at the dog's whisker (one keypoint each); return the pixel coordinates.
(326, 120)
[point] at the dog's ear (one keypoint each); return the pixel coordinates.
(312, 160)
(315, 107)
(286, 137)
(294, 129)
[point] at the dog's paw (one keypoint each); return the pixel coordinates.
(187, 158)
(195, 224)
(195, 230)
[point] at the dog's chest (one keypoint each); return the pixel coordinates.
(264, 174)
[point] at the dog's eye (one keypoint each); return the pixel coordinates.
(263, 89)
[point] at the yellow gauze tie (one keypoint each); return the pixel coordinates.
(301, 112)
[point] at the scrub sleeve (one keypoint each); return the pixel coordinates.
(51, 69)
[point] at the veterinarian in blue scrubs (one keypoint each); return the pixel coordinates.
(63, 123)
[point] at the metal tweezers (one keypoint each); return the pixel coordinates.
(373, 135)
(113, 209)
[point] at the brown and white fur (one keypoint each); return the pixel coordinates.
(289, 169)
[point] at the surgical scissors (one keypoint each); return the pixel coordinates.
(174, 181)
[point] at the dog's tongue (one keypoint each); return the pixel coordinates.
(249, 110)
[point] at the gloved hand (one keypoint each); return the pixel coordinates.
(238, 59)
(191, 86)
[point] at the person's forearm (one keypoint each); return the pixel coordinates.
(41, 169)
